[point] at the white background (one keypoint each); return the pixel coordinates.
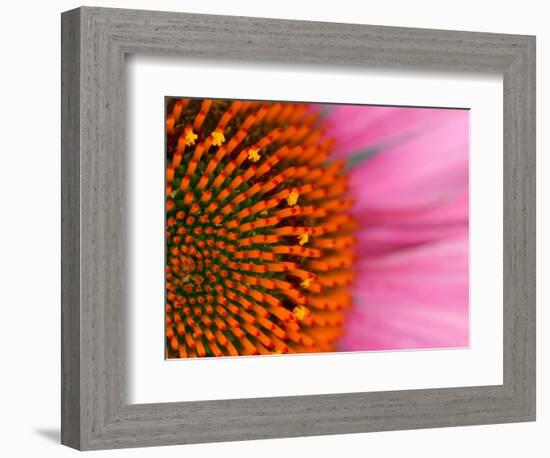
(150, 79)
(29, 239)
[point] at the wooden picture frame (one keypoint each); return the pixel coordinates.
(95, 412)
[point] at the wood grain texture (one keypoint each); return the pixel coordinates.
(95, 411)
(70, 229)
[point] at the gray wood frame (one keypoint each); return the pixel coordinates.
(95, 414)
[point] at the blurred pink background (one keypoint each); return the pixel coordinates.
(409, 175)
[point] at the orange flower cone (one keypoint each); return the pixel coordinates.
(259, 239)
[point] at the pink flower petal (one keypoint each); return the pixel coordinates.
(412, 207)
(383, 230)
(357, 128)
(415, 298)
(430, 169)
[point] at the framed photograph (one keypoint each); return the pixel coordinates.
(277, 228)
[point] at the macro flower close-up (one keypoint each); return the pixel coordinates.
(308, 228)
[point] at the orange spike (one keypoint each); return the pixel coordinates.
(170, 173)
(179, 106)
(199, 119)
(215, 349)
(170, 122)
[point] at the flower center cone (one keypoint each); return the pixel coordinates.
(259, 239)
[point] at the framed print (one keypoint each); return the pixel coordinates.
(268, 248)
(283, 228)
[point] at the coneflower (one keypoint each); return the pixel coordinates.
(259, 239)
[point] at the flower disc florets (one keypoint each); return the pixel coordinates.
(259, 240)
